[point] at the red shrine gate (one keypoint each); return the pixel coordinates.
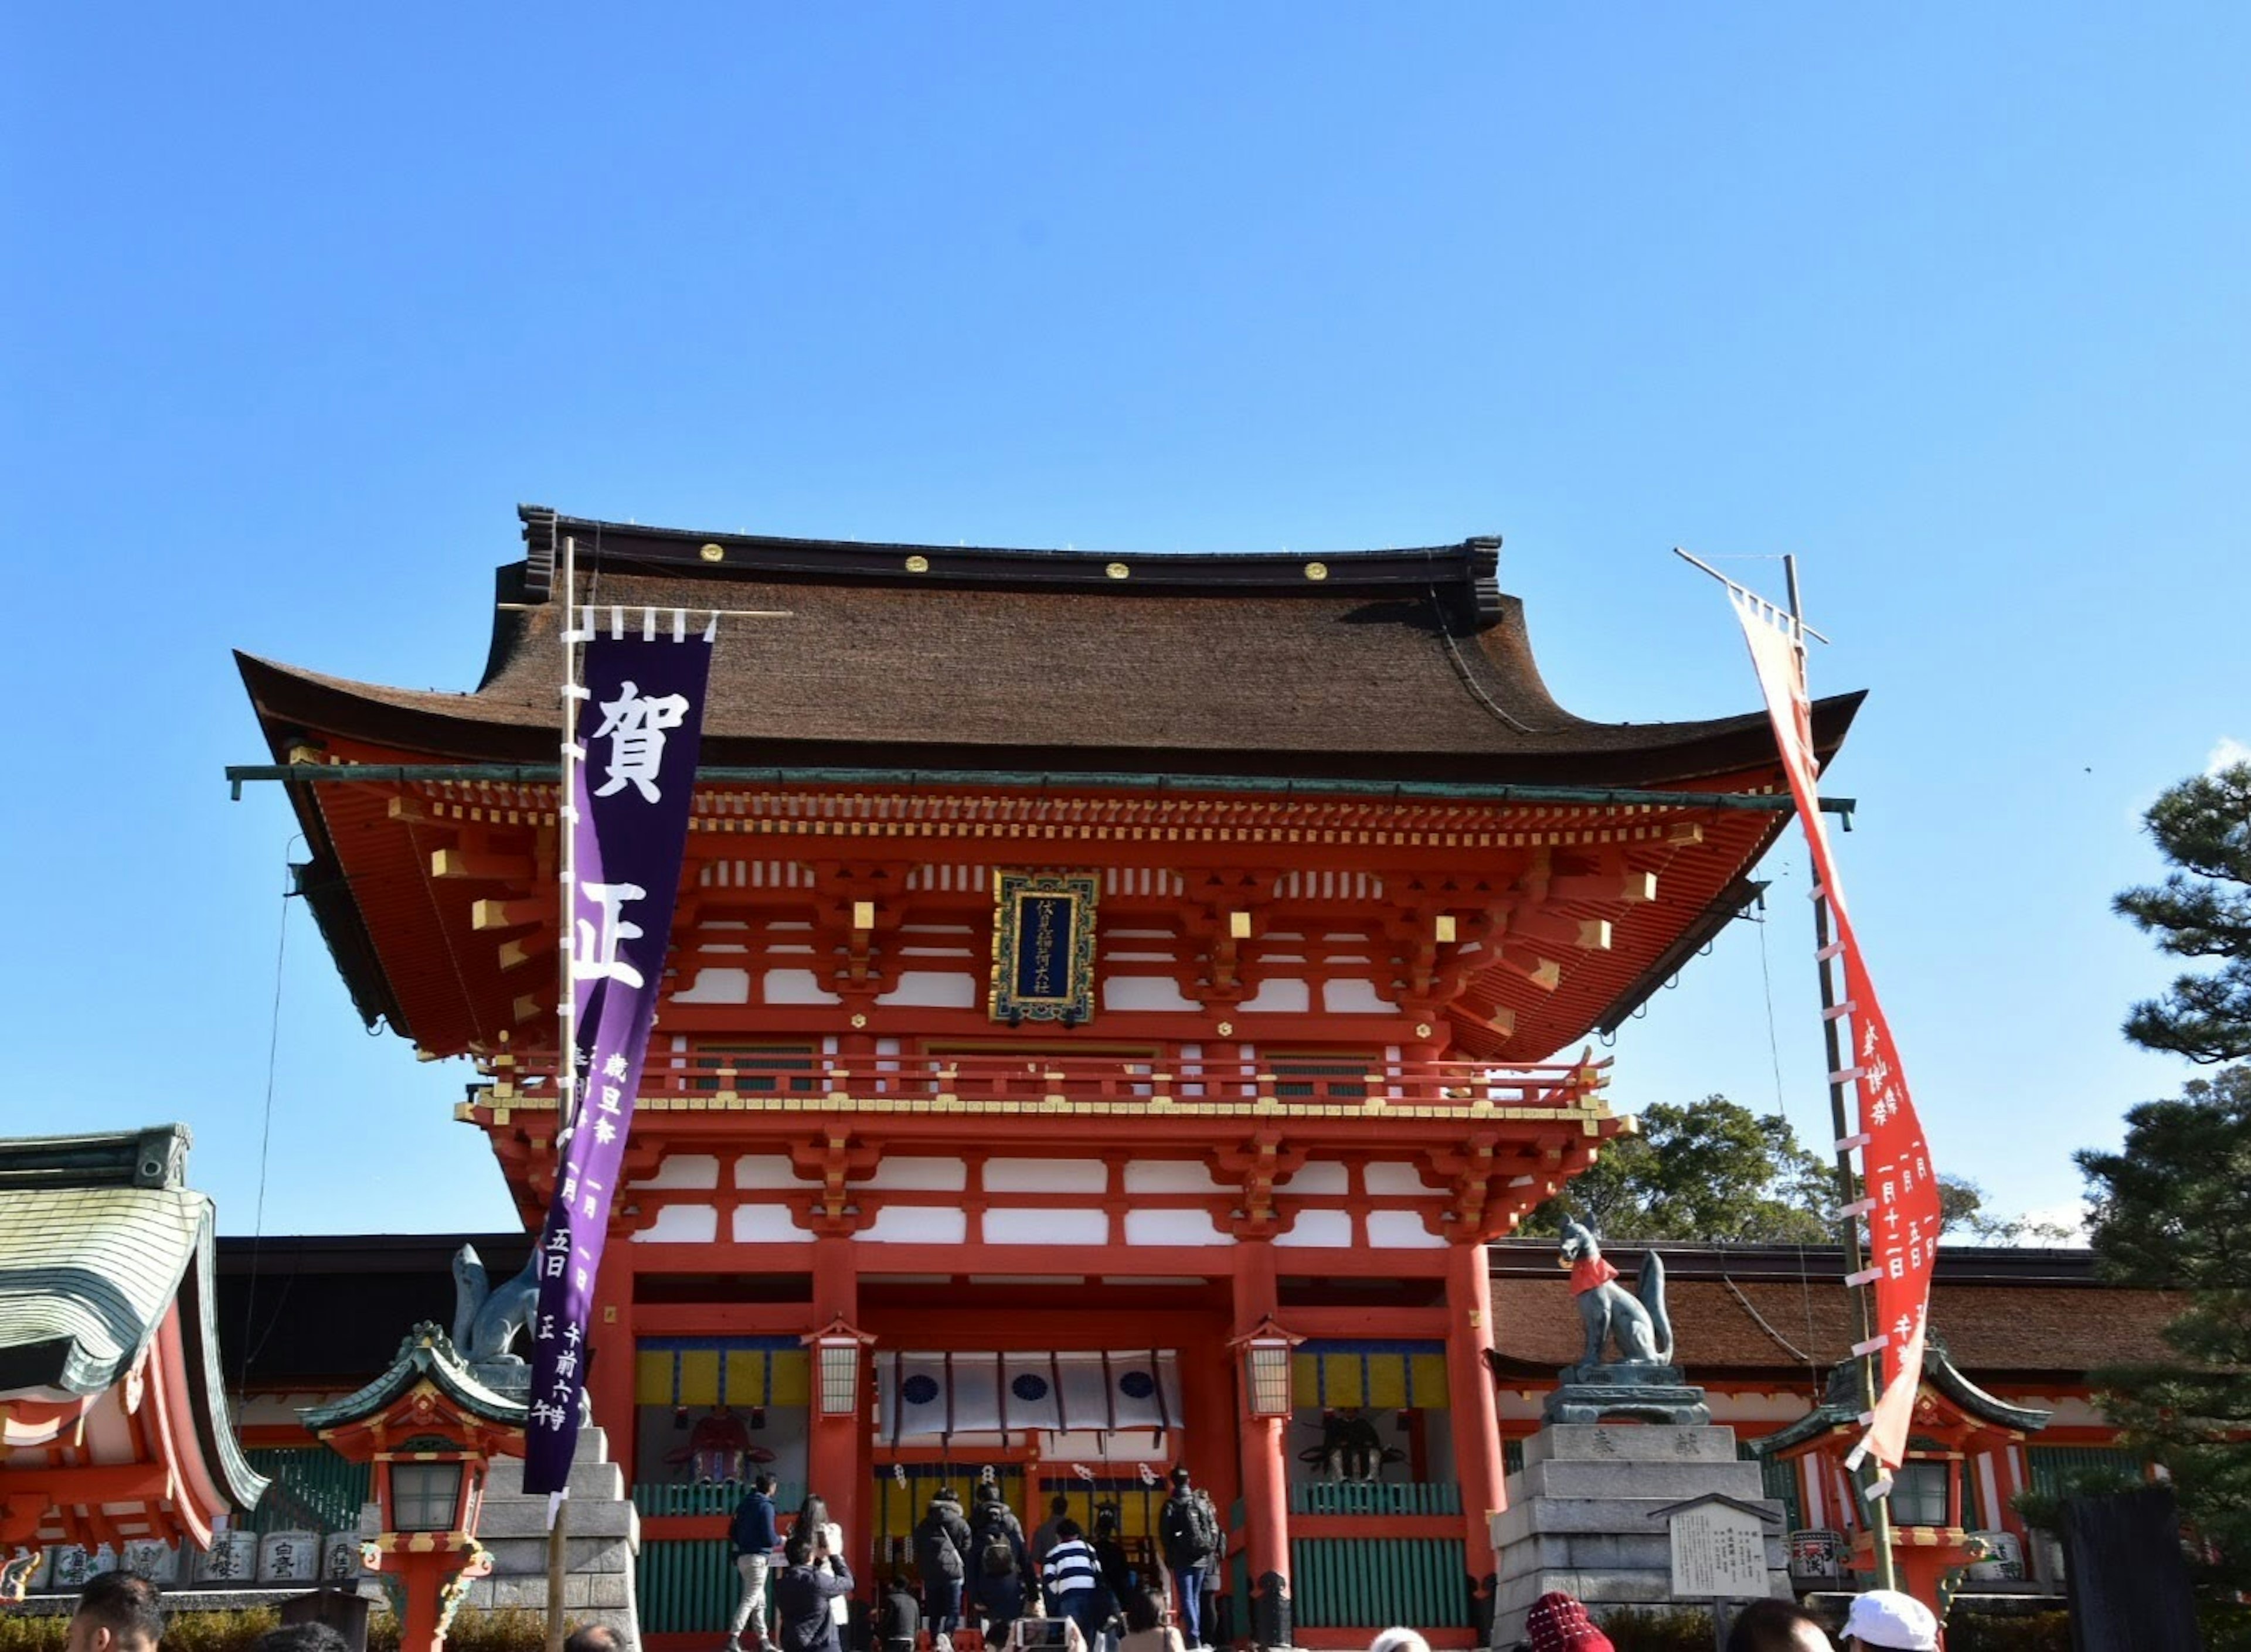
(1140, 978)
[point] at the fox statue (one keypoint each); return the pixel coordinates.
(1637, 1324)
(486, 1316)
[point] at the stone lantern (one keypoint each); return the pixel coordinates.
(429, 1429)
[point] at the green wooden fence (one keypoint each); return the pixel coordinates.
(1367, 1583)
(2051, 1467)
(706, 1496)
(685, 1586)
(1405, 1496)
(313, 1486)
(1780, 1482)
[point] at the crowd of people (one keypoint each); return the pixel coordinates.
(1879, 1620)
(1072, 1589)
(1057, 1592)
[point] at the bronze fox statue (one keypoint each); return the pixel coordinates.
(1637, 1324)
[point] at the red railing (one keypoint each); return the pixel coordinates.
(727, 1076)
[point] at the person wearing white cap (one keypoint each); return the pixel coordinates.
(1886, 1617)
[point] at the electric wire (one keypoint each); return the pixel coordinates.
(266, 1126)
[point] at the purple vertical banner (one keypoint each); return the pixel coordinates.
(640, 724)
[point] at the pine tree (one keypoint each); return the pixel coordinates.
(2173, 1209)
(2202, 910)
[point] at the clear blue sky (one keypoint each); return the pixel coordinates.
(1949, 301)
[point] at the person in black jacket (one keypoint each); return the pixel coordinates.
(811, 1579)
(941, 1545)
(753, 1537)
(898, 1618)
(1189, 1537)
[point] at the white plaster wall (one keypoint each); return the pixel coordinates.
(1323, 1176)
(917, 1225)
(1144, 992)
(1170, 1175)
(1049, 1226)
(1170, 1227)
(718, 986)
(683, 1170)
(1394, 1179)
(765, 1170)
(1278, 997)
(1353, 998)
(682, 1225)
(765, 1225)
(1400, 1230)
(1046, 1176)
(1330, 1228)
(933, 990)
(920, 1175)
(797, 987)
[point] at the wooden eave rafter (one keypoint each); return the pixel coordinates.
(449, 886)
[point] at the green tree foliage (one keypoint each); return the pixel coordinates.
(1715, 1172)
(2172, 1209)
(2202, 910)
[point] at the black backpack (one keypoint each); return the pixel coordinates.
(999, 1559)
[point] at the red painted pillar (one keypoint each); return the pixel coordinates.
(1476, 1420)
(422, 1577)
(1207, 1407)
(611, 1380)
(1266, 1471)
(834, 1468)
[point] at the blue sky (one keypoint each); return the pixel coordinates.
(1948, 300)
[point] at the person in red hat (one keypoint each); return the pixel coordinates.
(1558, 1623)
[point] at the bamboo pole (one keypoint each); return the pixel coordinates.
(570, 692)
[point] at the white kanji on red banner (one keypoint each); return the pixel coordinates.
(1901, 1191)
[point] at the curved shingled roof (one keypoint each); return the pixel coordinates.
(102, 1240)
(1391, 665)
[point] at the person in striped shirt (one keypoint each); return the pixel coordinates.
(1073, 1577)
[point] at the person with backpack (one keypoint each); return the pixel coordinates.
(1189, 1537)
(996, 1582)
(941, 1546)
(990, 1513)
(752, 1536)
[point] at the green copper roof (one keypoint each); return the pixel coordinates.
(427, 1352)
(100, 1238)
(1840, 1405)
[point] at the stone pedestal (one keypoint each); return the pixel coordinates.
(1581, 1514)
(602, 1535)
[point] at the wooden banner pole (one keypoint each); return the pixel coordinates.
(1848, 1182)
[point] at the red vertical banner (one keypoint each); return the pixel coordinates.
(1899, 1191)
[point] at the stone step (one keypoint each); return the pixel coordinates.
(1639, 1442)
(1536, 1515)
(590, 1481)
(1604, 1551)
(527, 1517)
(1577, 1477)
(514, 1557)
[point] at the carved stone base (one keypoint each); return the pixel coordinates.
(1643, 1393)
(1586, 1513)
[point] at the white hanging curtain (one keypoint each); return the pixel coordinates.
(932, 1396)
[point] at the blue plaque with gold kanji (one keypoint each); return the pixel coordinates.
(1044, 946)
